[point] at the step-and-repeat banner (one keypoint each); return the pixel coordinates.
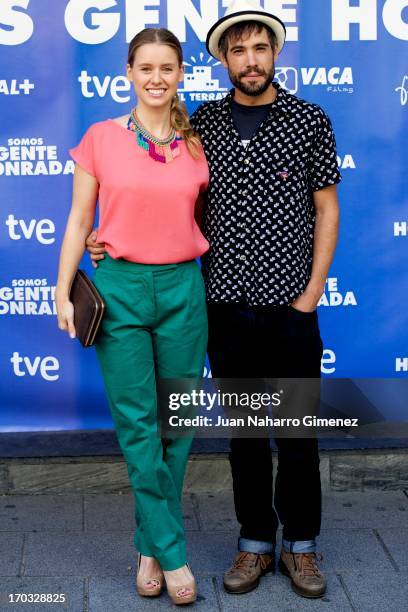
(62, 67)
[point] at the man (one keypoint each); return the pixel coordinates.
(271, 218)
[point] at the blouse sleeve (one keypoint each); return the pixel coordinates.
(84, 153)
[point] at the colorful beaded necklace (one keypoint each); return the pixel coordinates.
(163, 151)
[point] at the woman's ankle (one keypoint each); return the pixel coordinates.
(182, 573)
(148, 563)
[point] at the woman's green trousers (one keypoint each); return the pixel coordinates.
(155, 326)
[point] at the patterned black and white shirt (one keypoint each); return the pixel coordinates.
(259, 217)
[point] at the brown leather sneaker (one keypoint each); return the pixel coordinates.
(301, 568)
(246, 571)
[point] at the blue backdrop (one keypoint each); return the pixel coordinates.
(62, 67)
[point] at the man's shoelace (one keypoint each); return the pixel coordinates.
(307, 563)
(246, 561)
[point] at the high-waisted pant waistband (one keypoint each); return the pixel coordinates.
(125, 265)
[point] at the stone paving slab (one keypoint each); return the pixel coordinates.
(379, 591)
(211, 553)
(350, 550)
(79, 554)
(112, 512)
(189, 514)
(109, 512)
(396, 541)
(4, 479)
(11, 547)
(275, 594)
(369, 509)
(216, 511)
(41, 512)
(73, 589)
(120, 595)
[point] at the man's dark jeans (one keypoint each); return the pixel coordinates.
(270, 342)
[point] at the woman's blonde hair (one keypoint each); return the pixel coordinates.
(179, 117)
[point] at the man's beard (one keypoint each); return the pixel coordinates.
(252, 88)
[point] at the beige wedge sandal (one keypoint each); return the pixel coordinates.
(151, 586)
(180, 595)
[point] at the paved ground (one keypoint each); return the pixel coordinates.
(81, 545)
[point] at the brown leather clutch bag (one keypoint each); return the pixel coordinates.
(89, 308)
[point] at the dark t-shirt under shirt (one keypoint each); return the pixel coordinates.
(247, 119)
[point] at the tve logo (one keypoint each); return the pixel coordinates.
(14, 88)
(400, 228)
(328, 362)
(118, 87)
(335, 79)
(23, 366)
(19, 228)
(333, 297)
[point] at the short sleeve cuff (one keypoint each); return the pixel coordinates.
(84, 153)
(334, 180)
(82, 161)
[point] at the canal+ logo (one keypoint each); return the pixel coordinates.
(199, 83)
(335, 79)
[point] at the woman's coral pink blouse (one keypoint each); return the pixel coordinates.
(146, 208)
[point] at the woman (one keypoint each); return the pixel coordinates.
(147, 169)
